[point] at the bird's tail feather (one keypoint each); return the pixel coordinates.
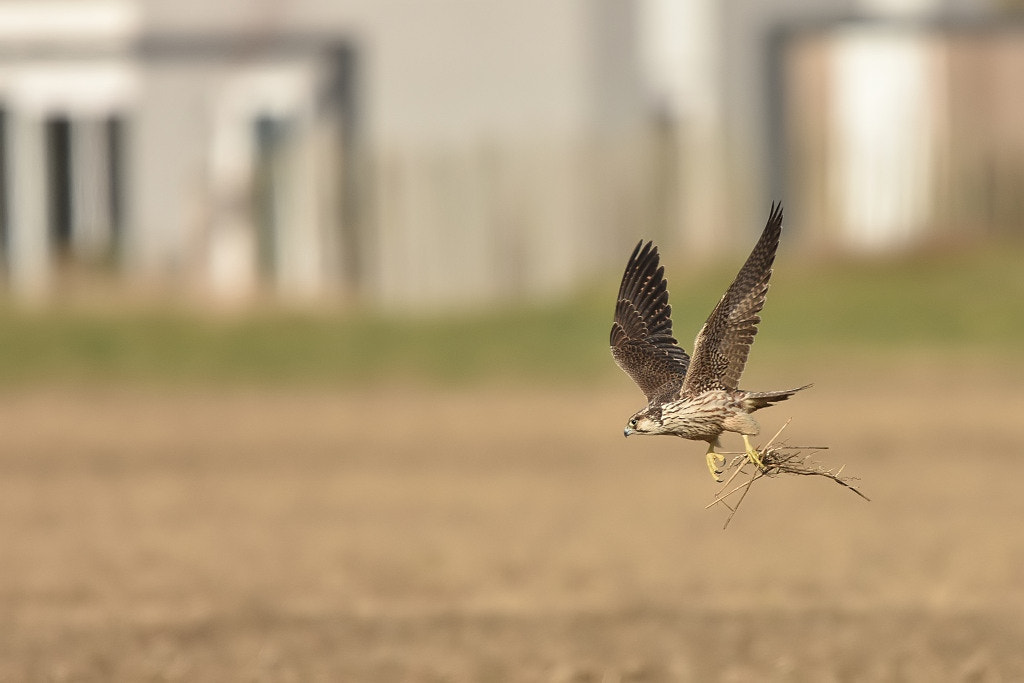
(755, 400)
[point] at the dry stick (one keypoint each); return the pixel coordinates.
(776, 463)
(834, 476)
(735, 473)
(757, 475)
(719, 498)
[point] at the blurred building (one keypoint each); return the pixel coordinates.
(898, 133)
(883, 124)
(445, 152)
(415, 153)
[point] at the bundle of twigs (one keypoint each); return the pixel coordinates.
(778, 458)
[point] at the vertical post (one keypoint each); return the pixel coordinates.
(91, 216)
(299, 236)
(231, 239)
(28, 227)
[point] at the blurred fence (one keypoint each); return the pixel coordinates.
(503, 220)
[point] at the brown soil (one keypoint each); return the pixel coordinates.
(478, 535)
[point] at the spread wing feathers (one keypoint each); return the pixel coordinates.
(721, 348)
(641, 337)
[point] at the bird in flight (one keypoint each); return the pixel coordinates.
(696, 398)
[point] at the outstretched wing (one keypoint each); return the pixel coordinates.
(721, 348)
(641, 337)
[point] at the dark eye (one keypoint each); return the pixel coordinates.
(632, 422)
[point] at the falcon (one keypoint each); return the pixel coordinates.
(695, 398)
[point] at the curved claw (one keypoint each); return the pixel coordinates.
(752, 453)
(715, 461)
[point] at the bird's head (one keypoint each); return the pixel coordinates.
(646, 421)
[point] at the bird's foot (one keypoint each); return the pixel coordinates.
(715, 461)
(752, 454)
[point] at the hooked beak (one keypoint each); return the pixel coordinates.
(627, 431)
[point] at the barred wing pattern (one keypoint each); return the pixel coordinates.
(721, 348)
(641, 337)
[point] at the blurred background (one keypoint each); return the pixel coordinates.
(304, 310)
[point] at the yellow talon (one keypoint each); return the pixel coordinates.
(715, 460)
(752, 453)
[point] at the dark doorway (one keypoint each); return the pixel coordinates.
(58, 173)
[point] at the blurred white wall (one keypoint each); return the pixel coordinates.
(483, 130)
(443, 153)
(884, 135)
